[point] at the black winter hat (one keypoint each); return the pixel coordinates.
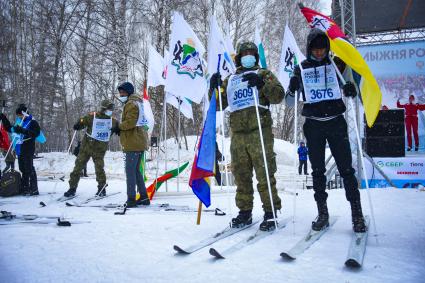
(21, 108)
(127, 87)
(319, 42)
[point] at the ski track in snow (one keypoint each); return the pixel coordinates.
(138, 247)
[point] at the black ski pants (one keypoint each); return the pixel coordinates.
(335, 133)
(303, 163)
(29, 176)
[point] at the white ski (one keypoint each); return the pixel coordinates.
(357, 247)
(99, 197)
(258, 235)
(228, 231)
(311, 237)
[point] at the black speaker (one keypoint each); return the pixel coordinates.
(386, 137)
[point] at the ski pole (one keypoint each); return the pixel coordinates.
(72, 141)
(350, 101)
(266, 167)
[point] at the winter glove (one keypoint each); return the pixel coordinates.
(253, 80)
(294, 84)
(115, 130)
(2, 117)
(19, 130)
(215, 81)
(78, 126)
(349, 90)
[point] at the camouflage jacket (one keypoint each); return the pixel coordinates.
(272, 92)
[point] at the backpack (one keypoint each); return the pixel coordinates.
(10, 184)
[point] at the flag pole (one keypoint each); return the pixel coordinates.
(266, 167)
(222, 143)
(350, 101)
(165, 139)
(161, 128)
(178, 150)
(198, 219)
(295, 161)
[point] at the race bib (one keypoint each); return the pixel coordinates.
(239, 95)
(101, 129)
(315, 87)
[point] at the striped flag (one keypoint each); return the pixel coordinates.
(370, 93)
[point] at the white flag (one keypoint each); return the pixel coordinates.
(185, 73)
(290, 57)
(217, 47)
(185, 105)
(156, 66)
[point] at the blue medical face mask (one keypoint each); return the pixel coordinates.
(108, 112)
(123, 99)
(248, 61)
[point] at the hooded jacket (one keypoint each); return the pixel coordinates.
(327, 108)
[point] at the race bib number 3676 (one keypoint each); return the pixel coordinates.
(320, 87)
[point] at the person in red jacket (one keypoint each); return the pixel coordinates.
(411, 120)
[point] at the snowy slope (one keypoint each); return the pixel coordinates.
(138, 247)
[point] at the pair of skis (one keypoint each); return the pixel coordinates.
(354, 259)
(356, 250)
(227, 232)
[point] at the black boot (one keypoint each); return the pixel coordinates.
(322, 220)
(359, 225)
(143, 201)
(131, 202)
(70, 193)
(101, 191)
(34, 193)
(244, 218)
(268, 223)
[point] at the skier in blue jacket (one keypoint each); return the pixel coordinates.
(302, 156)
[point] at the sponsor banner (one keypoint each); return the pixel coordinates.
(407, 172)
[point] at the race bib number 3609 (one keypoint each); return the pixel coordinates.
(239, 95)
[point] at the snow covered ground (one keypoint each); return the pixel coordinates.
(138, 247)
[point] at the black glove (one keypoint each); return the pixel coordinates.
(215, 81)
(19, 130)
(78, 126)
(253, 80)
(294, 84)
(349, 89)
(2, 117)
(115, 130)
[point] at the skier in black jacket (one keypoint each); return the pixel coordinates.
(25, 134)
(323, 109)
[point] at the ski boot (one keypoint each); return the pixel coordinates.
(131, 202)
(359, 225)
(70, 193)
(416, 148)
(244, 218)
(143, 201)
(322, 220)
(101, 191)
(268, 223)
(34, 193)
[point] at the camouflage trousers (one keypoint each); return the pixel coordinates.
(86, 152)
(246, 153)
